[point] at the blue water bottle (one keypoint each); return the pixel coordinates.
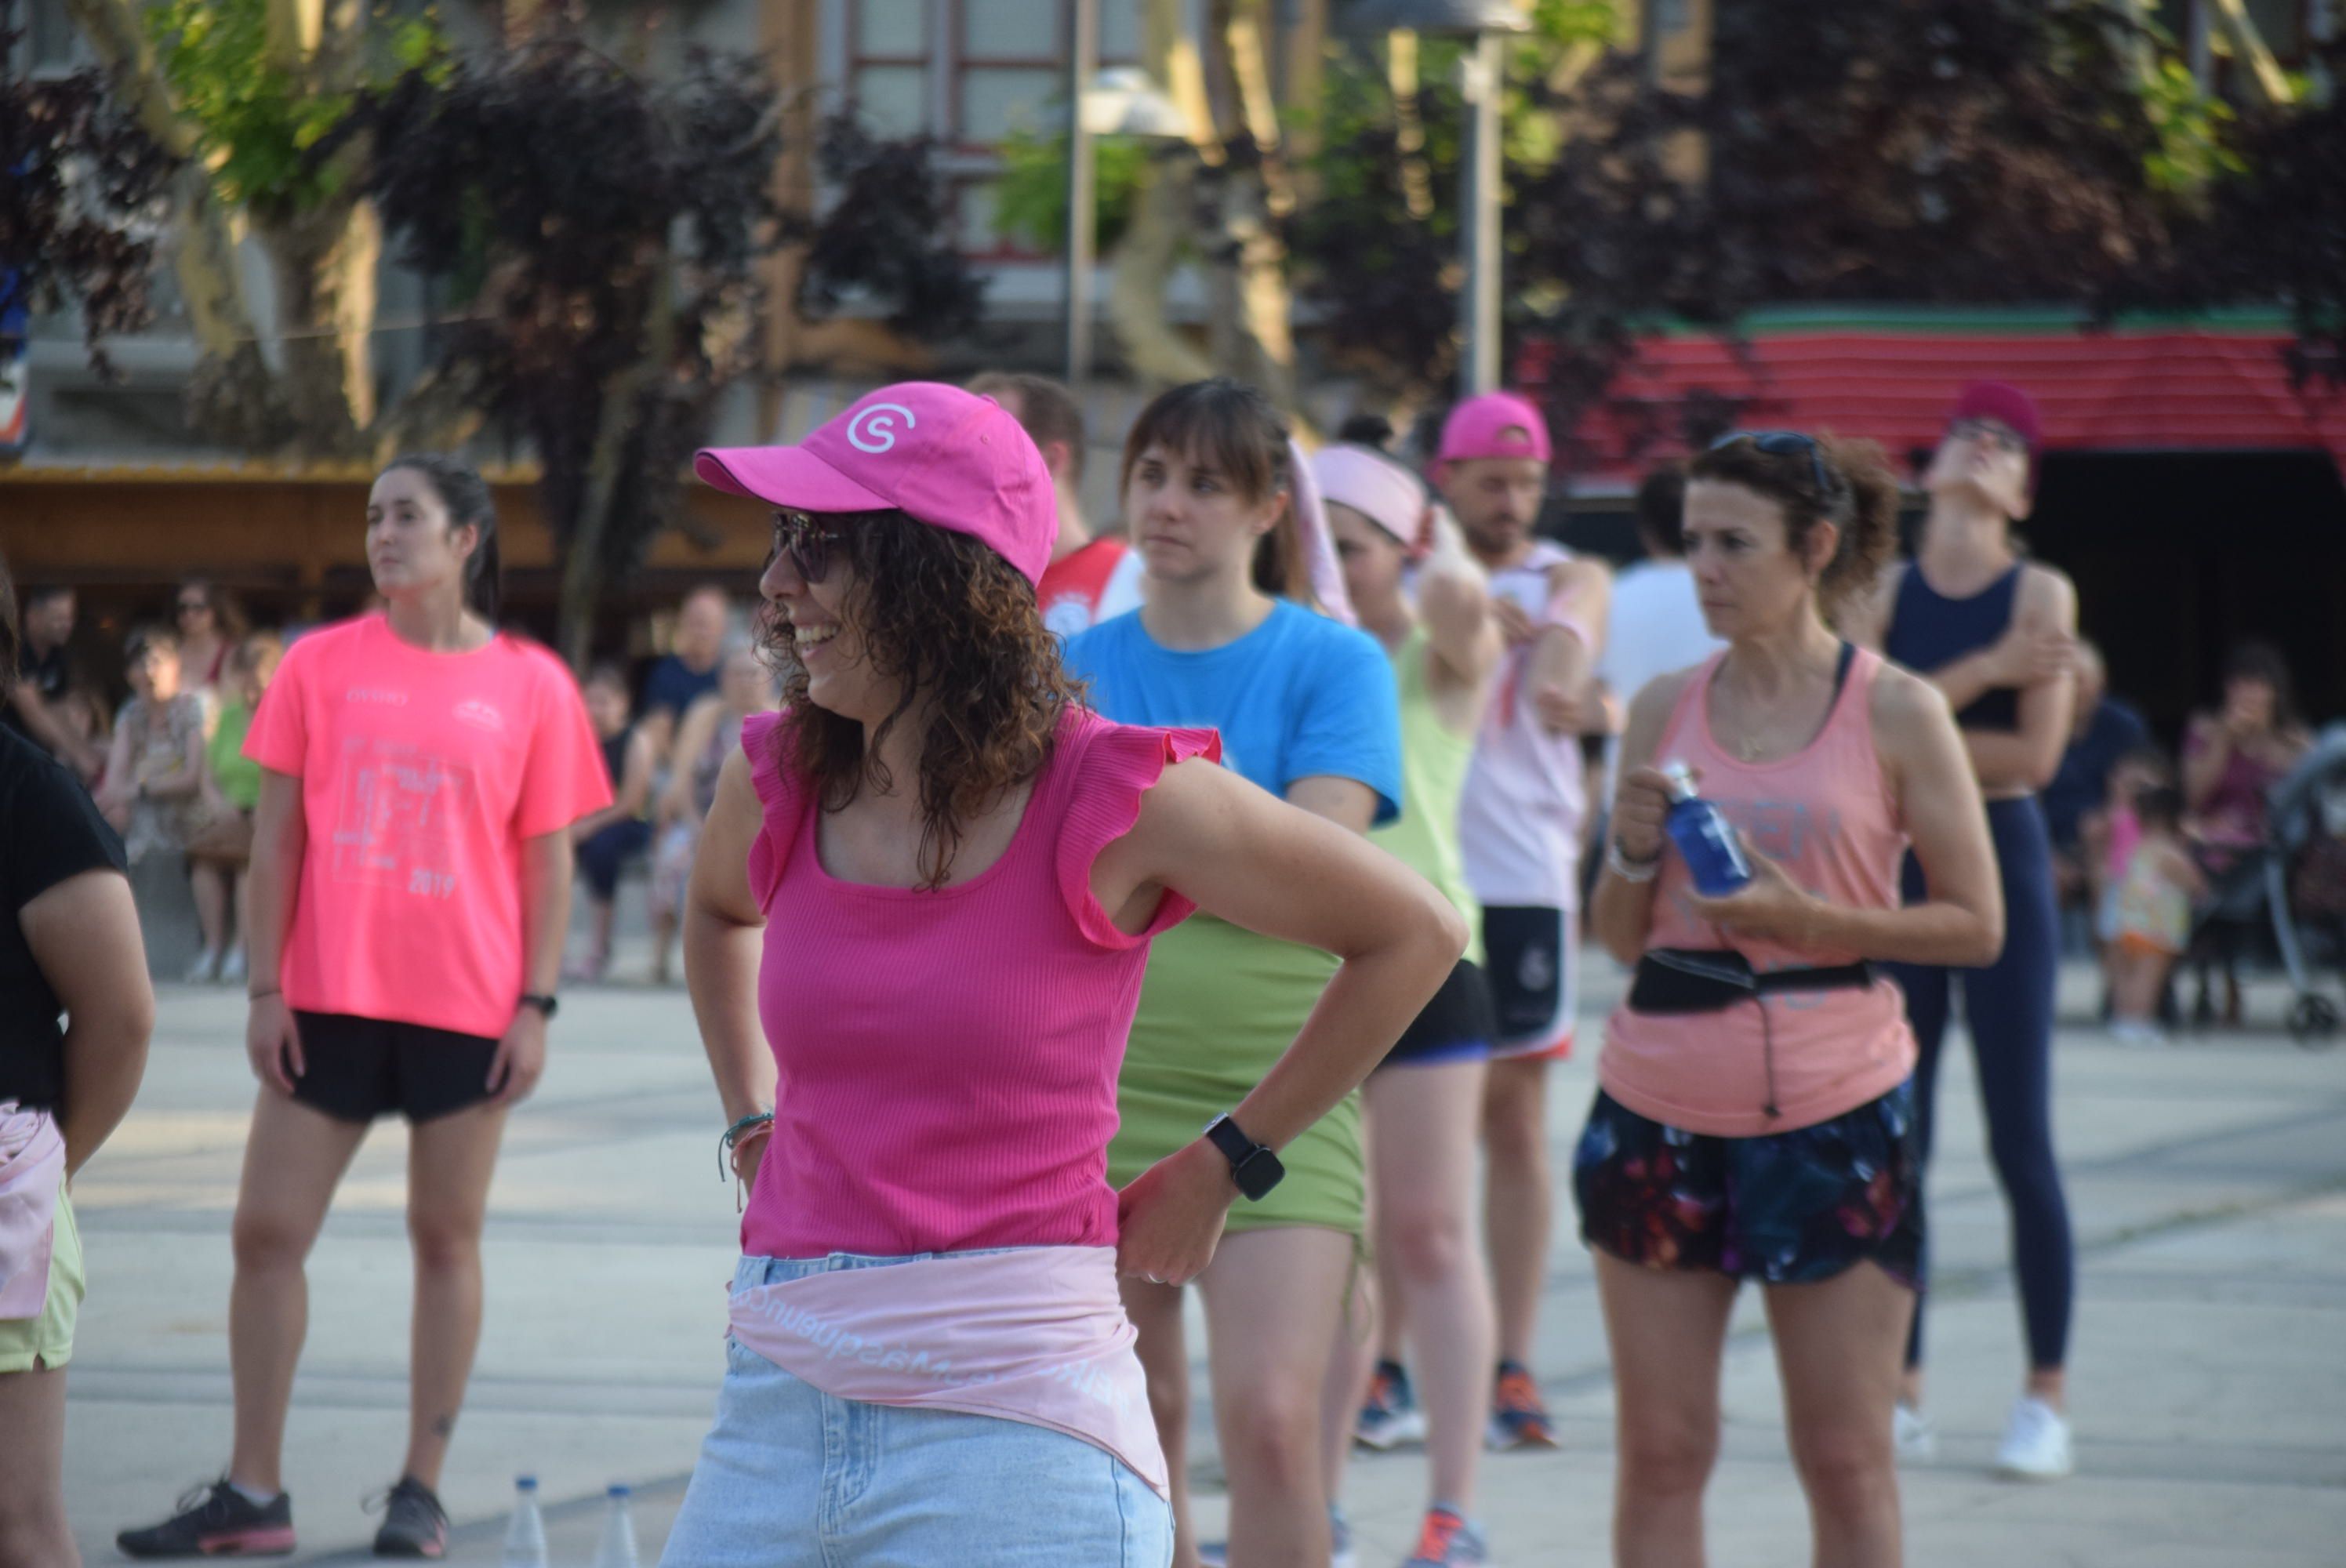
(1700, 830)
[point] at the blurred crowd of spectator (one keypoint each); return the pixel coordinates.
(167, 766)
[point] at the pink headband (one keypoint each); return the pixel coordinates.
(1326, 577)
(1376, 487)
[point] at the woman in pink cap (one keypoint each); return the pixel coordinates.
(917, 930)
(1996, 633)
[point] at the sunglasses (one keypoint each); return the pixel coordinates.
(1785, 443)
(1996, 434)
(807, 542)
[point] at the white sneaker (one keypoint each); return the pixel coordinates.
(1913, 1435)
(231, 968)
(2035, 1443)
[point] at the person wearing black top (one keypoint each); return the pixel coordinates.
(69, 946)
(40, 673)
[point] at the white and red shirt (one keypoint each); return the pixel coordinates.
(1086, 587)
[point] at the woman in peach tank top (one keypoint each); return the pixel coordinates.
(1755, 1116)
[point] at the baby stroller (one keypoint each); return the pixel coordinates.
(2296, 880)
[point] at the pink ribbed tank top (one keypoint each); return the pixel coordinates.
(948, 1059)
(1825, 814)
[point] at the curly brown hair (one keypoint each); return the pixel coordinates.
(1860, 498)
(957, 627)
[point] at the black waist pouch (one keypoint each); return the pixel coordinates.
(1677, 979)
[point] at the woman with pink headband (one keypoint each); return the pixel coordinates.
(1221, 504)
(1419, 593)
(917, 928)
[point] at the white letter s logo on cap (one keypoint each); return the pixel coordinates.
(875, 429)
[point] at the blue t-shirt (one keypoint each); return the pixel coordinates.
(676, 685)
(1300, 696)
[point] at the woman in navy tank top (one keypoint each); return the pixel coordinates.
(1996, 633)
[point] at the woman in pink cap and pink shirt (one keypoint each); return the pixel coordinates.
(917, 929)
(1756, 1114)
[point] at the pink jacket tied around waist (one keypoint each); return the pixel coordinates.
(31, 1167)
(1035, 1334)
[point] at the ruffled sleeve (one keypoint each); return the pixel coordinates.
(1117, 765)
(781, 797)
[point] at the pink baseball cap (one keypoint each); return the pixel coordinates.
(938, 454)
(1494, 424)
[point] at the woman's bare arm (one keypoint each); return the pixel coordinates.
(83, 934)
(724, 934)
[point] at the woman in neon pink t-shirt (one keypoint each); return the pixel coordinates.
(408, 897)
(929, 886)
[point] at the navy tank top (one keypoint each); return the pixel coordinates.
(1928, 631)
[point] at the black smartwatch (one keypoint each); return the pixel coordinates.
(1254, 1168)
(546, 1005)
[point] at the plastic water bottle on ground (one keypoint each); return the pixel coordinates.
(526, 1536)
(618, 1549)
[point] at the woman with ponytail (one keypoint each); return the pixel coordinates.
(406, 905)
(1756, 1118)
(1220, 503)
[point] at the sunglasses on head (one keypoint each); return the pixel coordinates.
(1785, 443)
(806, 542)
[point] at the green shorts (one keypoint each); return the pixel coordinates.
(1218, 1006)
(27, 1343)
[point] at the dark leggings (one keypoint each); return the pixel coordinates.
(606, 853)
(2009, 1005)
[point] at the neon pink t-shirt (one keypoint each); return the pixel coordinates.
(421, 773)
(948, 1059)
(1826, 815)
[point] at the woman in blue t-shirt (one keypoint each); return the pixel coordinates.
(1306, 707)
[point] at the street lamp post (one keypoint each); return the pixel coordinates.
(1083, 203)
(1483, 24)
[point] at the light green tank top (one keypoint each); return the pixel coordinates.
(1433, 776)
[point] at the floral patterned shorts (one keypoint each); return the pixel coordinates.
(1790, 1208)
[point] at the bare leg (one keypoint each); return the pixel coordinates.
(600, 912)
(1423, 1121)
(1164, 1352)
(33, 1529)
(449, 1161)
(293, 1158)
(1668, 1329)
(1519, 1201)
(1273, 1298)
(1838, 1346)
(208, 880)
(1350, 1361)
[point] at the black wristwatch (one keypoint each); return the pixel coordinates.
(1254, 1168)
(546, 1005)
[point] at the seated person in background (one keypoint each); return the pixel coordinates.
(33, 702)
(2103, 730)
(155, 774)
(2153, 914)
(219, 852)
(609, 838)
(711, 733)
(2231, 759)
(688, 672)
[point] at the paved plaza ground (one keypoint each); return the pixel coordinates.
(2208, 1181)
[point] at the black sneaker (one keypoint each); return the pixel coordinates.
(216, 1520)
(413, 1522)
